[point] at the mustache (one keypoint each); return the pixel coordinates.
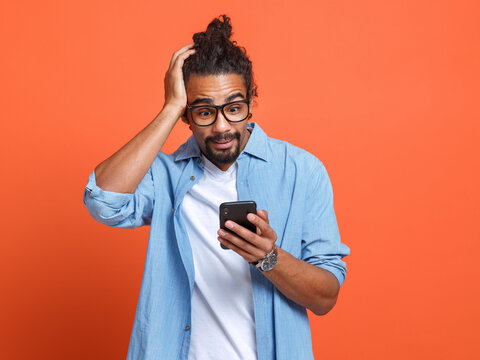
(223, 137)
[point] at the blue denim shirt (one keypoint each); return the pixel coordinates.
(288, 182)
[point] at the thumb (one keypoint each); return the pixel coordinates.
(263, 215)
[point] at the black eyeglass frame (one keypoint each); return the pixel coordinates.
(219, 107)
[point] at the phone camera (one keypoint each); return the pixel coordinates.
(225, 211)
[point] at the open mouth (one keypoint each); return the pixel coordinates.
(223, 143)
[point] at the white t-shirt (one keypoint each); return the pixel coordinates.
(223, 323)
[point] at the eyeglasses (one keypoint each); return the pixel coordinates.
(206, 115)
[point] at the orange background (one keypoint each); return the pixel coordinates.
(385, 93)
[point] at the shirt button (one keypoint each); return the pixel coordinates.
(173, 210)
(187, 328)
(192, 178)
(199, 161)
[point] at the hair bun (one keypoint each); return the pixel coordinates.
(217, 54)
(216, 30)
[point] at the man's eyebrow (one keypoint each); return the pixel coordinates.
(209, 101)
(202, 101)
(234, 96)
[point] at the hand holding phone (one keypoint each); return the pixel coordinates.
(237, 211)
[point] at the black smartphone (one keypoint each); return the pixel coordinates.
(237, 211)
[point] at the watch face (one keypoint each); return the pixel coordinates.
(269, 262)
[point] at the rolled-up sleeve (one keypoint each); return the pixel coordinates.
(321, 245)
(123, 210)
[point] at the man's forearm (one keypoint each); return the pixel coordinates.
(123, 171)
(306, 284)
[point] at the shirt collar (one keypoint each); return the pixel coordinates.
(256, 146)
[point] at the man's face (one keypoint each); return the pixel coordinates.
(222, 141)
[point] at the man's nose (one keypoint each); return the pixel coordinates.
(222, 124)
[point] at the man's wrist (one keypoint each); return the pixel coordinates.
(269, 261)
(172, 111)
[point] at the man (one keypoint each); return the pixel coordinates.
(198, 300)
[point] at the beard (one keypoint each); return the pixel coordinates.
(223, 156)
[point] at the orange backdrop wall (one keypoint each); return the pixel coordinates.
(385, 93)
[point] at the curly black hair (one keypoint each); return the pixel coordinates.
(216, 54)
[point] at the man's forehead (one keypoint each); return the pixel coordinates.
(220, 87)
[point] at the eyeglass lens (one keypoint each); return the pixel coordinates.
(206, 115)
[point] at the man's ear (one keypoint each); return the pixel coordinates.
(185, 117)
(250, 106)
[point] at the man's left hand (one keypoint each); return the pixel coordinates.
(251, 246)
(308, 285)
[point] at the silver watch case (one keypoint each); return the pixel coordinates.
(268, 262)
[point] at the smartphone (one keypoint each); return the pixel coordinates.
(237, 211)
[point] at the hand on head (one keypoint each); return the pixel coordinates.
(175, 94)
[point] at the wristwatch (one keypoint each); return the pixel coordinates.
(269, 261)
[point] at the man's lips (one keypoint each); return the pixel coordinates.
(222, 141)
(223, 144)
